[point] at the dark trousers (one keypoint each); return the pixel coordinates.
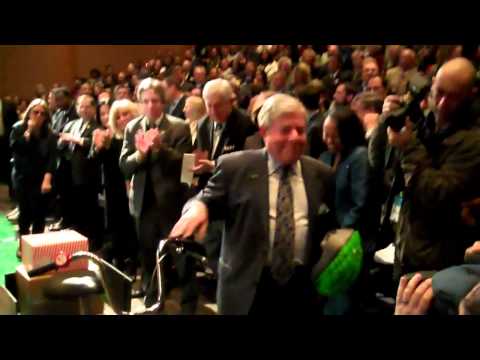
(32, 210)
(86, 214)
(63, 193)
(297, 297)
(213, 244)
(6, 166)
(154, 225)
(120, 225)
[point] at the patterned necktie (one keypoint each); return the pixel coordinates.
(217, 132)
(283, 243)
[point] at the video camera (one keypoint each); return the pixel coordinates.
(410, 107)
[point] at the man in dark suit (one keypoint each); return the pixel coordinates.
(65, 108)
(8, 117)
(175, 98)
(82, 185)
(225, 129)
(335, 74)
(64, 113)
(370, 69)
(272, 201)
(152, 155)
(310, 98)
(198, 80)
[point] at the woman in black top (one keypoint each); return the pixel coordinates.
(34, 160)
(106, 146)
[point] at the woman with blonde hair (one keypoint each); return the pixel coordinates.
(34, 154)
(121, 113)
(120, 235)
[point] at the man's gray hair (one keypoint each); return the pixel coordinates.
(218, 86)
(279, 105)
(155, 85)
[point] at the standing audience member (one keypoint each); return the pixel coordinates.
(441, 168)
(151, 156)
(34, 161)
(175, 98)
(83, 185)
(107, 144)
(347, 156)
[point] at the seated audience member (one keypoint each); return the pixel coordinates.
(405, 74)
(370, 69)
(378, 85)
(285, 65)
(199, 78)
(335, 74)
(455, 290)
(301, 77)
(225, 67)
(214, 73)
(309, 57)
(343, 96)
(357, 58)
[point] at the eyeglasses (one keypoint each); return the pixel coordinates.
(38, 112)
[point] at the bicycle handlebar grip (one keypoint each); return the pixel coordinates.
(43, 269)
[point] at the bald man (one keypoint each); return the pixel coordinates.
(440, 177)
(399, 77)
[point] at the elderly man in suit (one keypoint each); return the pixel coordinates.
(272, 201)
(224, 131)
(83, 173)
(151, 156)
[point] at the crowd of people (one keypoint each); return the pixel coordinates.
(290, 141)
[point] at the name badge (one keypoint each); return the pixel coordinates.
(102, 200)
(397, 206)
(228, 148)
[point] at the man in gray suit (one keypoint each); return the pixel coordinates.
(275, 203)
(151, 156)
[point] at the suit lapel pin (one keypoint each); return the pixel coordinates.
(253, 176)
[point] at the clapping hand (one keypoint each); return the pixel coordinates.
(142, 142)
(414, 296)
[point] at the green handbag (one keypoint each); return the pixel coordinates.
(340, 263)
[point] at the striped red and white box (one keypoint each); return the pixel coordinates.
(41, 249)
